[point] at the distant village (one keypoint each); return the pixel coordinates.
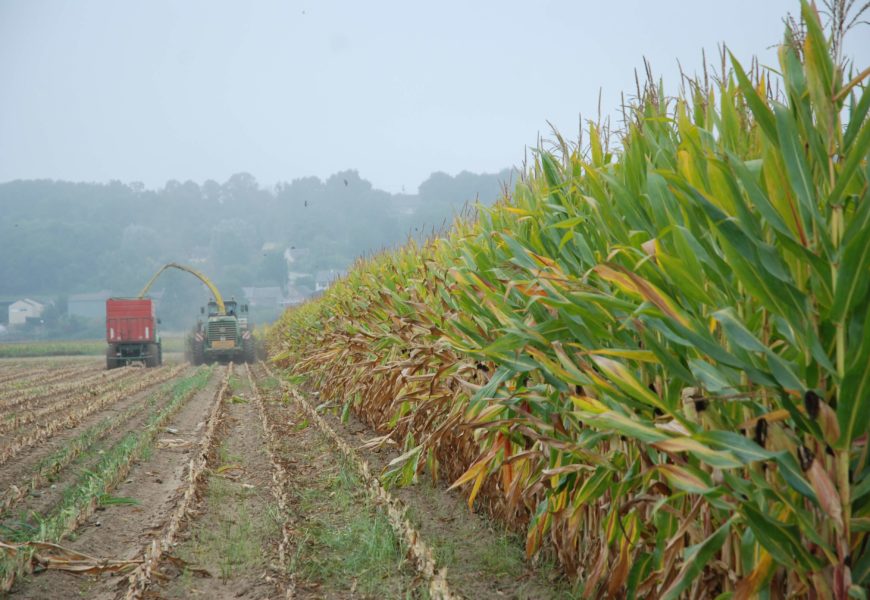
(22, 313)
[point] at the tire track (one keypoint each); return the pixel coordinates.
(423, 557)
(141, 578)
(279, 482)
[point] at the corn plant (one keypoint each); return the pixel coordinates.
(655, 359)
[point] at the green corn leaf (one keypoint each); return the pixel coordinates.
(593, 487)
(551, 170)
(696, 558)
(780, 539)
(631, 427)
(796, 166)
(857, 122)
(693, 481)
(759, 108)
(853, 276)
(713, 379)
(747, 450)
(783, 371)
(737, 332)
(854, 159)
(861, 570)
(853, 405)
(625, 380)
(666, 357)
(743, 257)
(859, 524)
(860, 490)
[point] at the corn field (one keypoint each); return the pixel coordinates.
(654, 360)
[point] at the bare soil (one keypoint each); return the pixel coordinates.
(341, 545)
(236, 526)
(235, 534)
(47, 495)
(31, 378)
(122, 531)
(330, 542)
(483, 559)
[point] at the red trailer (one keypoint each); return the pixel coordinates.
(131, 332)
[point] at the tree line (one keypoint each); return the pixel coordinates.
(59, 238)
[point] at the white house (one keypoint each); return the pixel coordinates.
(21, 310)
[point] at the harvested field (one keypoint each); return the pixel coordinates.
(52, 348)
(222, 482)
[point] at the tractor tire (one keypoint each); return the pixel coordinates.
(111, 359)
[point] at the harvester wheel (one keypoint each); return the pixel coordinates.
(188, 348)
(197, 353)
(159, 354)
(250, 355)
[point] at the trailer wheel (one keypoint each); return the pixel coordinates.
(111, 360)
(250, 356)
(151, 355)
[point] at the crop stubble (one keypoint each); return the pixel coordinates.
(173, 404)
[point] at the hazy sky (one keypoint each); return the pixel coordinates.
(95, 90)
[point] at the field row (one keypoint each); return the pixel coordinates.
(207, 481)
(70, 348)
(52, 489)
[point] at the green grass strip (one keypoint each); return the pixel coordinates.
(79, 499)
(76, 448)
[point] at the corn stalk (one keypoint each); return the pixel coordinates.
(654, 360)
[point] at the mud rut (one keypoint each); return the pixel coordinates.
(252, 491)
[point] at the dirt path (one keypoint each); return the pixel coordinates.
(341, 543)
(280, 515)
(250, 492)
(122, 530)
(480, 558)
(483, 559)
(237, 527)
